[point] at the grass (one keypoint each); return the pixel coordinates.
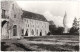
(4, 46)
(56, 47)
(69, 43)
(22, 46)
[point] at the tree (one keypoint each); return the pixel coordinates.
(59, 30)
(52, 29)
(74, 30)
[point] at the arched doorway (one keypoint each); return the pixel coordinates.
(4, 30)
(41, 33)
(26, 34)
(3, 23)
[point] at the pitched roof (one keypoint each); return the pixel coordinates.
(31, 15)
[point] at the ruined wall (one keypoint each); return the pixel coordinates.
(15, 19)
(13, 12)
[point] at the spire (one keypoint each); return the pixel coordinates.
(64, 23)
(65, 14)
(64, 20)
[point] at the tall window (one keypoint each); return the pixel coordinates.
(3, 13)
(22, 31)
(32, 32)
(14, 16)
(14, 30)
(37, 32)
(26, 34)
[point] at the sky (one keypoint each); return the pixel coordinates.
(54, 10)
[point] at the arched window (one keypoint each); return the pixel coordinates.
(41, 33)
(26, 34)
(32, 32)
(37, 32)
(14, 30)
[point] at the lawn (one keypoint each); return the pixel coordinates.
(43, 43)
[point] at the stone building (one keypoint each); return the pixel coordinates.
(34, 24)
(15, 22)
(11, 20)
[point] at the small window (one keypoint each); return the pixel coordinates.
(14, 16)
(28, 25)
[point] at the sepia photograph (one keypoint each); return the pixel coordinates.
(40, 25)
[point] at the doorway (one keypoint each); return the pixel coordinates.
(26, 34)
(40, 33)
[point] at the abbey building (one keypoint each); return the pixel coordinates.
(16, 22)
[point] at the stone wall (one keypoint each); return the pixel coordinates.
(36, 26)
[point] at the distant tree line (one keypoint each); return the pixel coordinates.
(59, 30)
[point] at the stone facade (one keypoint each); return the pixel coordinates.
(11, 16)
(35, 27)
(14, 25)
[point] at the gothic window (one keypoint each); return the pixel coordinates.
(3, 13)
(26, 34)
(41, 33)
(14, 30)
(32, 32)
